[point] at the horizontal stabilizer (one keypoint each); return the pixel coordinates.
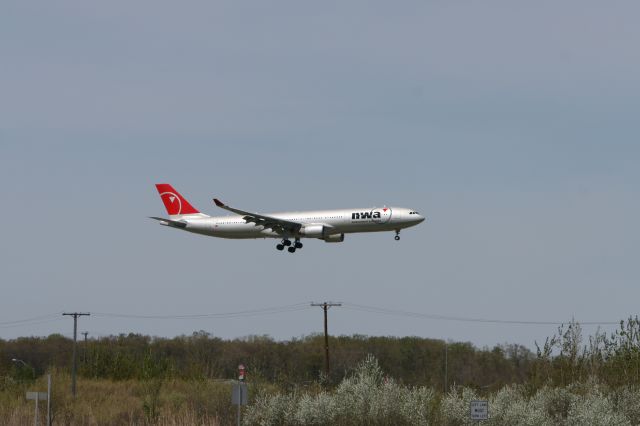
(169, 222)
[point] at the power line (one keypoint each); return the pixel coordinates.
(236, 314)
(24, 324)
(395, 312)
(54, 317)
(40, 318)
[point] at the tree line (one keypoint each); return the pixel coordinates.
(411, 360)
(563, 358)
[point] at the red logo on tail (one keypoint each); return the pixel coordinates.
(174, 202)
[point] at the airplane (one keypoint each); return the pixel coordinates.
(327, 225)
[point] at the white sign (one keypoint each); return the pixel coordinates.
(479, 410)
(42, 396)
(239, 394)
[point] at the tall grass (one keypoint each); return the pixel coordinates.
(104, 402)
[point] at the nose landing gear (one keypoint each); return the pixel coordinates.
(397, 237)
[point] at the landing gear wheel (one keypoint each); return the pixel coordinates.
(397, 237)
(292, 249)
(280, 247)
(286, 242)
(298, 245)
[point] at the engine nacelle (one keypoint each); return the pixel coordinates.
(335, 238)
(314, 231)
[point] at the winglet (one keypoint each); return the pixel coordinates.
(218, 202)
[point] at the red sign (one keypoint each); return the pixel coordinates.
(241, 372)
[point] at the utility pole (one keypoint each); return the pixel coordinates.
(84, 352)
(49, 399)
(446, 367)
(74, 370)
(325, 307)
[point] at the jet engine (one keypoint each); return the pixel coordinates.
(315, 231)
(335, 238)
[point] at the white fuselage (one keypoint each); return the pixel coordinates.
(316, 224)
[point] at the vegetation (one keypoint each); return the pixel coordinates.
(134, 379)
(410, 360)
(367, 398)
(126, 402)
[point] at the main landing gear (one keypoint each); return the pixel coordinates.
(291, 247)
(397, 237)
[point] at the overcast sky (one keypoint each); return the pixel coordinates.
(513, 126)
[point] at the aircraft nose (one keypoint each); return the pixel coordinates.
(421, 219)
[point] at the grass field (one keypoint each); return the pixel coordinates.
(105, 402)
(367, 397)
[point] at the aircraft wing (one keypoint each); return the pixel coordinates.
(280, 226)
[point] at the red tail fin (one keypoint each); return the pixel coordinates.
(173, 201)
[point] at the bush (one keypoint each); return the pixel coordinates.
(366, 398)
